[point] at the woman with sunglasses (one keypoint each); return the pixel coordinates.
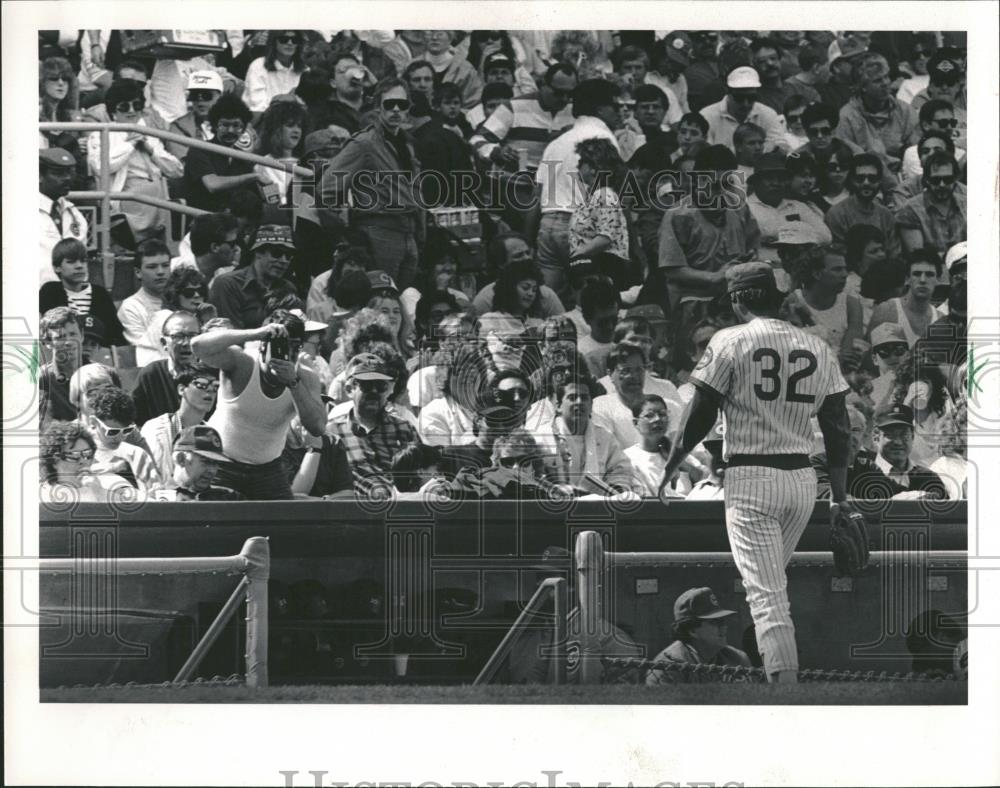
(277, 72)
(67, 453)
(915, 66)
(832, 171)
(185, 290)
(280, 135)
(58, 100)
(137, 163)
(111, 419)
(198, 388)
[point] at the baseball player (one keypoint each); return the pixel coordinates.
(769, 378)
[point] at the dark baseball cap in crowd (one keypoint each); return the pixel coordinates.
(381, 281)
(715, 158)
(579, 270)
(367, 366)
(772, 161)
(894, 414)
(800, 162)
(497, 60)
(699, 604)
(595, 92)
(677, 46)
(55, 157)
(756, 275)
(93, 328)
(945, 67)
(324, 139)
(273, 234)
(202, 440)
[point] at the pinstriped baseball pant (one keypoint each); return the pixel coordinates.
(766, 512)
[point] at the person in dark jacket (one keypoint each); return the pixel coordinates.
(74, 289)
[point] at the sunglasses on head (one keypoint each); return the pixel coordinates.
(114, 432)
(395, 104)
(133, 105)
(201, 95)
(77, 456)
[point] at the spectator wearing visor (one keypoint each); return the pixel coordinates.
(203, 89)
(371, 435)
(258, 398)
(241, 295)
(740, 105)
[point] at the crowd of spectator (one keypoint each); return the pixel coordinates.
(483, 263)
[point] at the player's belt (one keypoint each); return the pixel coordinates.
(783, 462)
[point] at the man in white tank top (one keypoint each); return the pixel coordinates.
(836, 317)
(913, 312)
(257, 399)
(770, 379)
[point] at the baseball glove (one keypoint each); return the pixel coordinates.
(848, 540)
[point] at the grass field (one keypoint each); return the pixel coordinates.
(943, 693)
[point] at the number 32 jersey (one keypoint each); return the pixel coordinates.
(773, 378)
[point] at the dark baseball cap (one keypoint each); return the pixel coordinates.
(497, 60)
(93, 327)
(381, 281)
(203, 441)
(367, 366)
(677, 46)
(56, 157)
(750, 275)
(330, 137)
(894, 414)
(944, 67)
(699, 604)
(772, 161)
(273, 234)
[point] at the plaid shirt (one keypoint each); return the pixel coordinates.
(370, 452)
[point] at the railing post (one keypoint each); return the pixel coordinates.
(104, 221)
(561, 597)
(257, 551)
(590, 590)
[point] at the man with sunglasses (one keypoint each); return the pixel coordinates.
(864, 178)
(378, 167)
(937, 216)
(740, 105)
(258, 397)
(197, 387)
(203, 89)
(111, 420)
(819, 122)
(240, 295)
(370, 433)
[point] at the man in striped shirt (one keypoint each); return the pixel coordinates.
(769, 378)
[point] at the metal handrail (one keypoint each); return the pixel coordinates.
(190, 142)
(167, 205)
(557, 587)
(105, 195)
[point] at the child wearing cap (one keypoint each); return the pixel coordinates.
(74, 289)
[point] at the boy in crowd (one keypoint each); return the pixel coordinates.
(152, 267)
(62, 341)
(69, 261)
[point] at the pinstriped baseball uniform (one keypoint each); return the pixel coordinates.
(772, 378)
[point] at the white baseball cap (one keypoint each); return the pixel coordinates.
(956, 254)
(204, 80)
(743, 77)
